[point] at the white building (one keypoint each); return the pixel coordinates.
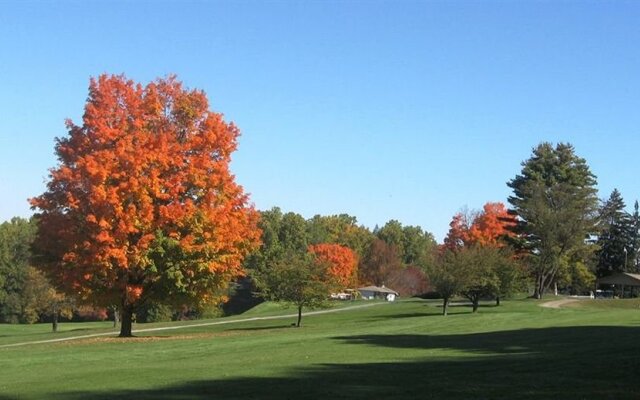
(373, 292)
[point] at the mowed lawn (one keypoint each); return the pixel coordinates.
(402, 350)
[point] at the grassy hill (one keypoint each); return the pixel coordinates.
(402, 350)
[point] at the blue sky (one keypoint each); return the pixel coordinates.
(406, 110)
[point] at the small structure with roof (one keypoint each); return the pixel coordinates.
(620, 281)
(379, 292)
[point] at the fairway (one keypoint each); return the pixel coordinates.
(402, 350)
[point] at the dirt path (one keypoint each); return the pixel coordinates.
(557, 303)
(169, 328)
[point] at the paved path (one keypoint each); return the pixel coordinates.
(169, 328)
(557, 303)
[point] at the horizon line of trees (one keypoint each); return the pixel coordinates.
(556, 233)
(142, 211)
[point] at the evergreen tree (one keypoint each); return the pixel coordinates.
(555, 200)
(634, 264)
(616, 237)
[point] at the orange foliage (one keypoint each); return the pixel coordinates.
(491, 225)
(342, 261)
(488, 228)
(458, 234)
(148, 166)
(134, 292)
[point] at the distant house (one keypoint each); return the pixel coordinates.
(377, 292)
(620, 281)
(347, 294)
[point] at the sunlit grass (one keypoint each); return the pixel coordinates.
(403, 350)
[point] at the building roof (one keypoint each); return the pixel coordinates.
(377, 289)
(621, 278)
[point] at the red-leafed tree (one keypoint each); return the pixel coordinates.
(142, 205)
(380, 262)
(458, 234)
(409, 281)
(341, 261)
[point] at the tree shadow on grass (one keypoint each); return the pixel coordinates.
(540, 342)
(434, 313)
(84, 329)
(263, 328)
(554, 363)
(469, 305)
(432, 310)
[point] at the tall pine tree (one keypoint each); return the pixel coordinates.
(616, 237)
(554, 197)
(634, 264)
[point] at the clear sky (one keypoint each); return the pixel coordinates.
(406, 110)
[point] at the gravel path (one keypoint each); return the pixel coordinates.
(169, 328)
(557, 303)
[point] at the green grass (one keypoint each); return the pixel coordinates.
(18, 333)
(609, 304)
(402, 350)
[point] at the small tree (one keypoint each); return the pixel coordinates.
(491, 272)
(40, 299)
(474, 272)
(510, 274)
(481, 280)
(298, 279)
(448, 276)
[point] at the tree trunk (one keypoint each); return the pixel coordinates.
(548, 279)
(445, 304)
(474, 303)
(299, 316)
(497, 301)
(54, 319)
(539, 289)
(127, 319)
(116, 317)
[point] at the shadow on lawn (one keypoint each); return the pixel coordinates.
(559, 363)
(469, 305)
(432, 311)
(262, 328)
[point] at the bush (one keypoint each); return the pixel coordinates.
(155, 313)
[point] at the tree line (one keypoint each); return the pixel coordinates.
(142, 210)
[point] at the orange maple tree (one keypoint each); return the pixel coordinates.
(341, 261)
(487, 228)
(492, 225)
(142, 205)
